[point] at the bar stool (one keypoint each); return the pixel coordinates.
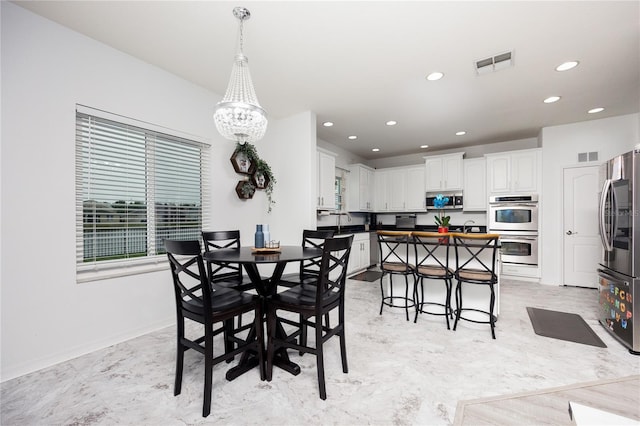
(473, 253)
(432, 262)
(394, 260)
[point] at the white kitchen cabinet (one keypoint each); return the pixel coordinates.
(475, 185)
(360, 188)
(513, 172)
(381, 185)
(397, 189)
(326, 180)
(400, 189)
(444, 172)
(415, 194)
(360, 253)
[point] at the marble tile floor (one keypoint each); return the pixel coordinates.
(399, 372)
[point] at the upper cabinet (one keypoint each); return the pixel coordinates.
(415, 196)
(400, 189)
(513, 172)
(326, 166)
(360, 188)
(381, 185)
(475, 185)
(444, 172)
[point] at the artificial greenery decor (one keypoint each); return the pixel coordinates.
(248, 189)
(262, 167)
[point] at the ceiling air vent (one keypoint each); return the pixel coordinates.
(494, 63)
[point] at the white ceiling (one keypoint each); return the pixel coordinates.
(360, 63)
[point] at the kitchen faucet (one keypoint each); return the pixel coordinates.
(464, 227)
(340, 214)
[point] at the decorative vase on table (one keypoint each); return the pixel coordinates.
(259, 237)
(266, 235)
(443, 230)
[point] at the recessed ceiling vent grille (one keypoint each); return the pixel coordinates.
(494, 63)
(584, 157)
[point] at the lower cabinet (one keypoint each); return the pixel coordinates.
(360, 253)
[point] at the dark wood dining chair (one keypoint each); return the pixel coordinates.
(312, 303)
(207, 304)
(309, 269)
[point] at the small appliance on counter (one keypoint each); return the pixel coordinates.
(455, 200)
(406, 221)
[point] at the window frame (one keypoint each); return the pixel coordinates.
(105, 269)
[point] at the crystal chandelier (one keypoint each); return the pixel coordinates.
(239, 116)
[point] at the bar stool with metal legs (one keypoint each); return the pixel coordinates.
(476, 265)
(432, 263)
(395, 260)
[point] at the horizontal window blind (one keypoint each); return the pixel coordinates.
(135, 187)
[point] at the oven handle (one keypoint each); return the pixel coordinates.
(513, 205)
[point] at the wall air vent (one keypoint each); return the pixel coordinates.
(584, 157)
(494, 63)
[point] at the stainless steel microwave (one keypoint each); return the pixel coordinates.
(455, 200)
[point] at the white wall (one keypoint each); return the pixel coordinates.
(344, 157)
(560, 148)
(469, 152)
(46, 317)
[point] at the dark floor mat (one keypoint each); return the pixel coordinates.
(367, 276)
(563, 326)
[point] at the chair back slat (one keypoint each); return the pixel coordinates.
(313, 239)
(333, 270)
(476, 257)
(394, 251)
(217, 240)
(190, 283)
(432, 254)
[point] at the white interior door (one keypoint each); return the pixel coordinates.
(582, 247)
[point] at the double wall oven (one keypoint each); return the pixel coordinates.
(515, 218)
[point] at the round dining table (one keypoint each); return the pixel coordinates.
(250, 258)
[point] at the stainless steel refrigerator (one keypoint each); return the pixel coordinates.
(619, 272)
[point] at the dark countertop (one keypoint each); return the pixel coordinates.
(352, 229)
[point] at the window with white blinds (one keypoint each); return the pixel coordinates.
(136, 185)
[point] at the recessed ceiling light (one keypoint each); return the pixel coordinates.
(435, 76)
(391, 123)
(424, 146)
(595, 110)
(327, 123)
(353, 137)
(461, 133)
(551, 99)
(375, 149)
(567, 65)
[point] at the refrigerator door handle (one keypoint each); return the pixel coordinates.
(603, 200)
(611, 277)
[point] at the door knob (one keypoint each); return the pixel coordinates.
(571, 233)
